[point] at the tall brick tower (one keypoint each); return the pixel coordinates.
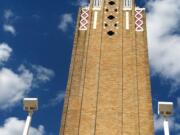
(108, 91)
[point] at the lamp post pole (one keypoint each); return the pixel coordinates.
(27, 124)
(166, 126)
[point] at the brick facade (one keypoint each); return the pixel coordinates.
(108, 91)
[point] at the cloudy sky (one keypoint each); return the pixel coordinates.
(35, 51)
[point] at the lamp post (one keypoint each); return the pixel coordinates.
(30, 105)
(165, 110)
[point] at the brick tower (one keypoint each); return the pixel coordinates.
(108, 91)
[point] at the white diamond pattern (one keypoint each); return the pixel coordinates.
(139, 20)
(84, 18)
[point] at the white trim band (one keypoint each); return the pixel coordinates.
(127, 20)
(95, 20)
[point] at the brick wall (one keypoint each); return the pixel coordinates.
(108, 91)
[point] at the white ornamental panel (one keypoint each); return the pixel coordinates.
(84, 18)
(139, 19)
(97, 4)
(127, 5)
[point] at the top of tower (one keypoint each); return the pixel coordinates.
(127, 4)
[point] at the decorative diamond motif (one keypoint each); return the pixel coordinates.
(111, 17)
(138, 22)
(84, 18)
(138, 15)
(110, 33)
(111, 2)
(139, 19)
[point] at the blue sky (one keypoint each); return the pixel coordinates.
(35, 50)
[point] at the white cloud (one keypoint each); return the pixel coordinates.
(164, 45)
(14, 126)
(83, 2)
(58, 99)
(8, 22)
(8, 14)
(9, 28)
(158, 123)
(43, 74)
(65, 22)
(14, 86)
(174, 126)
(5, 52)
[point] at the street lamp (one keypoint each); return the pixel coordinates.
(30, 105)
(165, 109)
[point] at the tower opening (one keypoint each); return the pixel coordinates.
(111, 17)
(110, 33)
(112, 3)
